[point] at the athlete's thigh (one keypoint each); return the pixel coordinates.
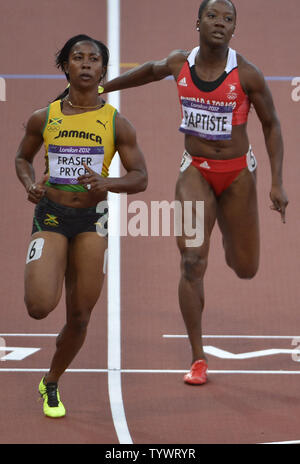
(237, 215)
(86, 269)
(197, 212)
(45, 267)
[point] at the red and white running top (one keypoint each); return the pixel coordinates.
(210, 109)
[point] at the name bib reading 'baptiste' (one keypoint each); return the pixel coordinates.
(206, 121)
(66, 163)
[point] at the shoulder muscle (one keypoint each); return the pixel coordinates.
(252, 78)
(176, 60)
(33, 137)
(125, 132)
(36, 122)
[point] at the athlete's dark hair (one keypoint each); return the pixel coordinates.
(62, 55)
(206, 2)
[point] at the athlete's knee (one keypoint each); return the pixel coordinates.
(79, 319)
(246, 272)
(193, 265)
(37, 310)
(245, 266)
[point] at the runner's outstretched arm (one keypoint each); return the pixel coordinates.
(148, 72)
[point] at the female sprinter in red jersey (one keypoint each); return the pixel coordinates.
(216, 87)
(81, 133)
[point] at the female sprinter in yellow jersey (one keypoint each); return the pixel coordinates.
(81, 133)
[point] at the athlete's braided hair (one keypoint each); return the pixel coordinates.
(62, 56)
(206, 2)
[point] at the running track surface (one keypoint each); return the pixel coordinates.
(248, 400)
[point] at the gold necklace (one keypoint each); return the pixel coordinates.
(82, 107)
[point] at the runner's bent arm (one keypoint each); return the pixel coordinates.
(28, 148)
(261, 98)
(136, 178)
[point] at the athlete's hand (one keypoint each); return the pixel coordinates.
(93, 181)
(37, 190)
(279, 200)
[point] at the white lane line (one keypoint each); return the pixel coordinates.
(44, 369)
(292, 442)
(270, 337)
(223, 354)
(275, 337)
(114, 268)
(27, 335)
(154, 371)
(210, 371)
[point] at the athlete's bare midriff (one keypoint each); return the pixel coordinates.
(237, 146)
(74, 199)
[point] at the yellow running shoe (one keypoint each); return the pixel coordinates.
(53, 407)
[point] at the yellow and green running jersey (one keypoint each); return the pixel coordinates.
(71, 140)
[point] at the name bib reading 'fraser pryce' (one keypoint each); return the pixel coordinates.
(207, 121)
(66, 163)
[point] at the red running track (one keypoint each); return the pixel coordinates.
(247, 400)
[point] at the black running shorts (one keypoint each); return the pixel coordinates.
(68, 221)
